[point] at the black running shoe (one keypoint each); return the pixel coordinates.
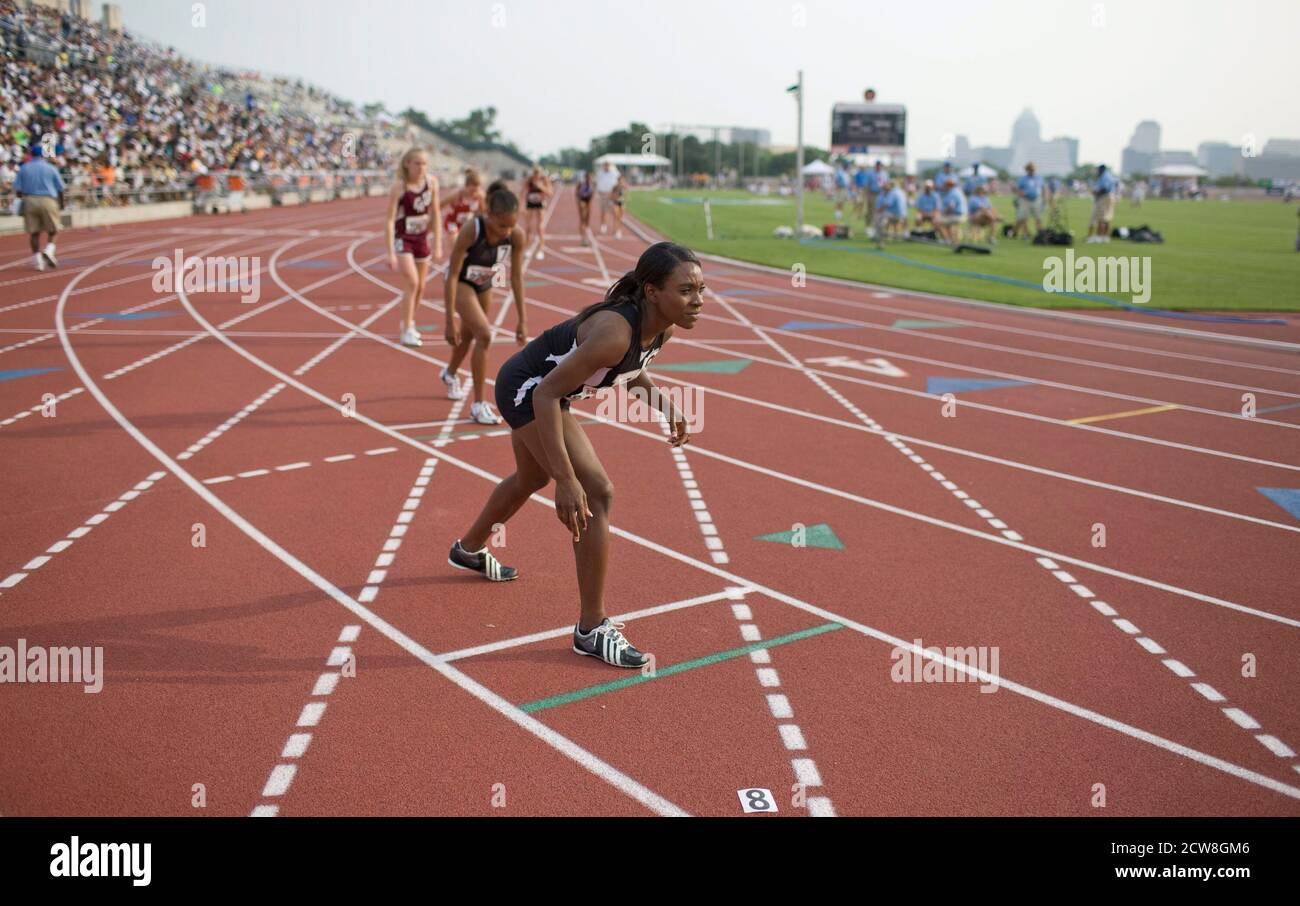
(607, 643)
(482, 563)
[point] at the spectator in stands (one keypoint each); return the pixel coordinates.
(952, 213)
(40, 187)
(146, 109)
(1103, 205)
(1029, 202)
(927, 206)
(983, 216)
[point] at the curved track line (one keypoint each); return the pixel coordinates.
(1042, 697)
(601, 769)
(793, 479)
(1045, 698)
(643, 234)
(907, 391)
(959, 451)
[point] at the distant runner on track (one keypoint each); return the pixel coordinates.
(607, 344)
(537, 191)
(477, 263)
(463, 204)
(584, 192)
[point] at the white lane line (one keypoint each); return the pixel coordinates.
(81, 531)
(561, 631)
(805, 769)
(1046, 563)
(1006, 538)
(55, 400)
(972, 404)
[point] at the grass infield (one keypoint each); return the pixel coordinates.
(1217, 255)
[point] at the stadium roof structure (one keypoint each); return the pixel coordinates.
(632, 160)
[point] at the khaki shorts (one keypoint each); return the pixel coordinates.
(40, 214)
(1026, 208)
(1103, 208)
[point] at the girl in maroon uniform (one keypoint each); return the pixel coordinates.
(537, 189)
(412, 212)
(464, 204)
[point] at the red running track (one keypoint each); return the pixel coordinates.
(1119, 667)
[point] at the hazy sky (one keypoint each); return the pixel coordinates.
(562, 71)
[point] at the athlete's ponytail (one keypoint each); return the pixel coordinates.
(654, 267)
(500, 200)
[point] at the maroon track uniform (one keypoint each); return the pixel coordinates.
(411, 230)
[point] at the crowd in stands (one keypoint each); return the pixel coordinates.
(116, 113)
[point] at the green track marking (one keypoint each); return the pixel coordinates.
(578, 694)
(719, 366)
(819, 535)
(905, 324)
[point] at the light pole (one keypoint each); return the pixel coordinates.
(797, 88)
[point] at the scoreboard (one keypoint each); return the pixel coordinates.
(865, 128)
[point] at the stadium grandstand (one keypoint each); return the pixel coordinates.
(128, 121)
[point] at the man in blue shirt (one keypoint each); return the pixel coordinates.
(40, 187)
(941, 178)
(859, 191)
(841, 189)
(952, 213)
(876, 180)
(978, 177)
(927, 205)
(1029, 202)
(982, 213)
(1103, 204)
(891, 211)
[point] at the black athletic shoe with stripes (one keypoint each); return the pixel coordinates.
(482, 563)
(607, 643)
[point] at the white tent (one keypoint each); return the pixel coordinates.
(1180, 171)
(818, 168)
(631, 160)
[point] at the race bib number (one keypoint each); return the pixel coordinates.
(534, 197)
(478, 274)
(417, 225)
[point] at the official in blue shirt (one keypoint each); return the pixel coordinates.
(952, 215)
(927, 204)
(891, 211)
(875, 183)
(1103, 204)
(941, 178)
(40, 187)
(1029, 202)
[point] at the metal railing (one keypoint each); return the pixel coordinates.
(214, 190)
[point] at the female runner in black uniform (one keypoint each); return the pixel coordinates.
(585, 191)
(608, 343)
(477, 259)
(537, 190)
